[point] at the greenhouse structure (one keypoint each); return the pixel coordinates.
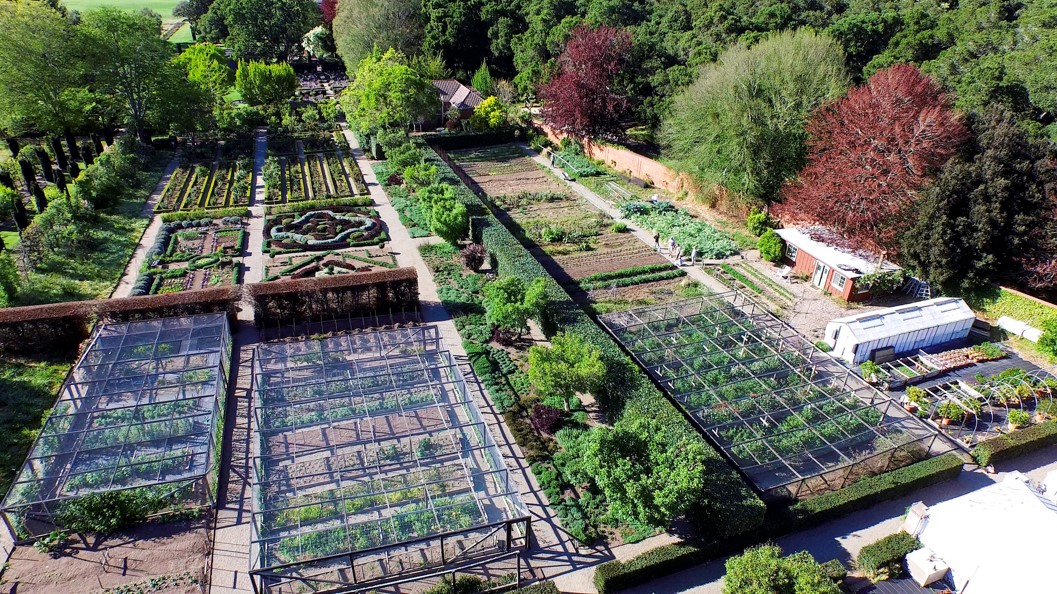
(884, 334)
(374, 467)
(792, 419)
(142, 409)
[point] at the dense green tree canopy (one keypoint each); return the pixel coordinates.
(989, 212)
(386, 92)
(265, 84)
(262, 29)
(741, 124)
(567, 367)
(41, 70)
(763, 570)
(131, 63)
(207, 67)
(362, 25)
(648, 472)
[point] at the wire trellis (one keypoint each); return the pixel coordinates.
(793, 419)
(140, 408)
(368, 441)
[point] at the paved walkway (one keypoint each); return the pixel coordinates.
(150, 234)
(230, 563)
(253, 255)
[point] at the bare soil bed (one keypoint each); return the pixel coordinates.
(567, 235)
(164, 558)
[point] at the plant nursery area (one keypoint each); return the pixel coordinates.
(796, 422)
(143, 408)
(374, 464)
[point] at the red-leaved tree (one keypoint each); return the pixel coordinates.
(580, 99)
(870, 152)
(329, 9)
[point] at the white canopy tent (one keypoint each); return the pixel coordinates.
(903, 329)
(995, 540)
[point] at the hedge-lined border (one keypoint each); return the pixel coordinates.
(213, 213)
(1018, 443)
(656, 563)
(306, 205)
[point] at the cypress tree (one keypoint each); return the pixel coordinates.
(71, 143)
(12, 145)
(75, 171)
(28, 175)
(98, 144)
(21, 216)
(45, 164)
(108, 134)
(86, 152)
(60, 154)
(60, 181)
(6, 181)
(39, 200)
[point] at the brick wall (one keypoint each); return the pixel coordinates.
(633, 164)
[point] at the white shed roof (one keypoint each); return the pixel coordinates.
(895, 321)
(851, 263)
(999, 538)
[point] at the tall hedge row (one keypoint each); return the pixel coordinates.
(63, 326)
(360, 294)
(626, 390)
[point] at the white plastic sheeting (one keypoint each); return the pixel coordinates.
(1019, 328)
(905, 328)
(996, 540)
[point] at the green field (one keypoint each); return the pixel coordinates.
(162, 7)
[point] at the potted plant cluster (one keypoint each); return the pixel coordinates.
(950, 412)
(1017, 418)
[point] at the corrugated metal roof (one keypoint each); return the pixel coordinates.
(894, 321)
(851, 264)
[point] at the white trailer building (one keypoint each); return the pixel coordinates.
(882, 334)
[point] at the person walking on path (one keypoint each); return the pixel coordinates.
(671, 245)
(693, 256)
(657, 241)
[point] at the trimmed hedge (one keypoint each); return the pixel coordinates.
(214, 213)
(183, 303)
(651, 565)
(875, 489)
(317, 204)
(359, 294)
(1015, 444)
(51, 328)
(884, 558)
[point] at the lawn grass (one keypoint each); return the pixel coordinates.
(94, 272)
(10, 240)
(27, 390)
(162, 7)
(182, 35)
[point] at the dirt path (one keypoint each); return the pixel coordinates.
(150, 234)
